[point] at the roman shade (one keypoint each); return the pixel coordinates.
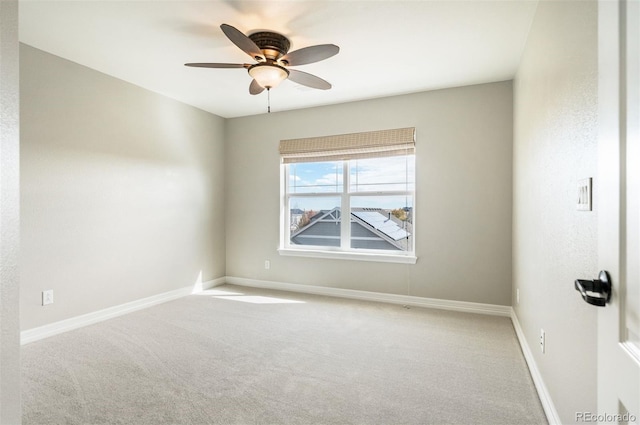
(370, 144)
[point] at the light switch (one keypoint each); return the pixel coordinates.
(584, 195)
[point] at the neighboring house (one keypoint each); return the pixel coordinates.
(294, 219)
(371, 228)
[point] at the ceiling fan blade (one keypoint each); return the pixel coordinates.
(218, 65)
(242, 41)
(255, 88)
(311, 54)
(308, 80)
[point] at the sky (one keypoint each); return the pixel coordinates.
(367, 176)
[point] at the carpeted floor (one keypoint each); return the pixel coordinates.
(236, 355)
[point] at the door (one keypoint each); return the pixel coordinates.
(619, 209)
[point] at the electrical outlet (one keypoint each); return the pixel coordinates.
(267, 264)
(47, 297)
(542, 341)
(517, 296)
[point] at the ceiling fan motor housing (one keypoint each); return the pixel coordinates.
(272, 44)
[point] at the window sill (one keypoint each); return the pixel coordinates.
(357, 256)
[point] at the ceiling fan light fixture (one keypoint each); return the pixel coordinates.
(268, 75)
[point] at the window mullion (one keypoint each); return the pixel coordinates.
(345, 209)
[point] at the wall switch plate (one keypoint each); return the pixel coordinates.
(517, 296)
(267, 264)
(584, 195)
(47, 297)
(543, 341)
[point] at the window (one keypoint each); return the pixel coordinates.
(350, 196)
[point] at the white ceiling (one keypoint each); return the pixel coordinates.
(387, 47)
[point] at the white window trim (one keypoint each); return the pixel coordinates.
(286, 248)
(349, 255)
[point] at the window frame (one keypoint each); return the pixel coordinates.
(344, 251)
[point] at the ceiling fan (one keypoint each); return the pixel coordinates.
(270, 50)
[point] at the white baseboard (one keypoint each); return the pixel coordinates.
(491, 309)
(541, 388)
(66, 325)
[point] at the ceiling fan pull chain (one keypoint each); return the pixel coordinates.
(268, 100)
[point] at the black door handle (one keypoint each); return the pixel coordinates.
(601, 287)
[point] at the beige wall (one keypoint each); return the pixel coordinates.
(463, 201)
(555, 110)
(122, 191)
(9, 216)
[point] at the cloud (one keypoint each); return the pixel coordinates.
(382, 174)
